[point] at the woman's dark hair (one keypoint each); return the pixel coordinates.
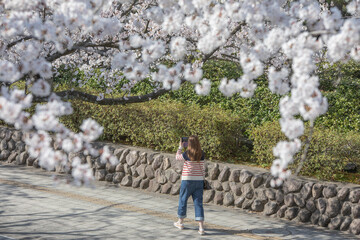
(194, 149)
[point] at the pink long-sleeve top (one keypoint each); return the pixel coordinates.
(192, 170)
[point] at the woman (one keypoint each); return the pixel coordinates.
(192, 181)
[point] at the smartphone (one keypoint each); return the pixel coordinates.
(184, 141)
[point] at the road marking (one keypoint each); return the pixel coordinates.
(131, 208)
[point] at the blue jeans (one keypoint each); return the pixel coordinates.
(194, 188)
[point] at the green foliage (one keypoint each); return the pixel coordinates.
(341, 85)
(329, 150)
(160, 124)
(263, 106)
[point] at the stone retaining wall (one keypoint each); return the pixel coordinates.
(328, 205)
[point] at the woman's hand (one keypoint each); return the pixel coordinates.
(180, 144)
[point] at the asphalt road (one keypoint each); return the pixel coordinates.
(32, 207)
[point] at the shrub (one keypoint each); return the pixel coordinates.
(263, 106)
(160, 124)
(329, 151)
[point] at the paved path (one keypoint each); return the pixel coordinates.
(31, 207)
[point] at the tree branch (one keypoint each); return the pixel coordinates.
(81, 45)
(10, 45)
(307, 145)
(129, 9)
(86, 97)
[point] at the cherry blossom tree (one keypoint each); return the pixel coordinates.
(132, 39)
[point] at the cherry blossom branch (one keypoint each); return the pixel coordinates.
(238, 28)
(129, 9)
(79, 46)
(10, 45)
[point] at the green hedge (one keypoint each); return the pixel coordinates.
(329, 151)
(339, 82)
(160, 124)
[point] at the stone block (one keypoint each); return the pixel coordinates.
(118, 152)
(122, 158)
(343, 193)
(158, 160)
(270, 194)
(22, 158)
(144, 184)
(260, 195)
(126, 181)
(354, 196)
(256, 181)
(141, 171)
(219, 198)
(167, 163)
(136, 182)
(149, 171)
(289, 200)
(133, 171)
(330, 191)
(333, 207)
(119, 168)
(208, 195)
(247, 191)
(281, 211)
(292, 186)
(20, 147)
(4, 154)
(355, 227)
(291, 213)
(304, 215)
(234, 175)
(317, 190)
(224, 174)
(321, 205)
(12, 157)
(299, 200)
(239, 201)
(154, 186)
(245, 176)
(324, 220)
(225, 186)
(16, 136)
(280, 196)
(228, 199)
(345, 224)
(166, 188)
(335, 223)
(257, 205)
(310, 205)
(216, 185)
(235, 188)
(98, 164)
(175, 189)
(109, 177)
(315, 217)
(306, 190)
(247, 203)
(110, 167)
(346, 209)
(270, 208)
(132, 157)
(100, 174)
(143, 158)
(127, 169)
(356, 211)
(118, 176)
